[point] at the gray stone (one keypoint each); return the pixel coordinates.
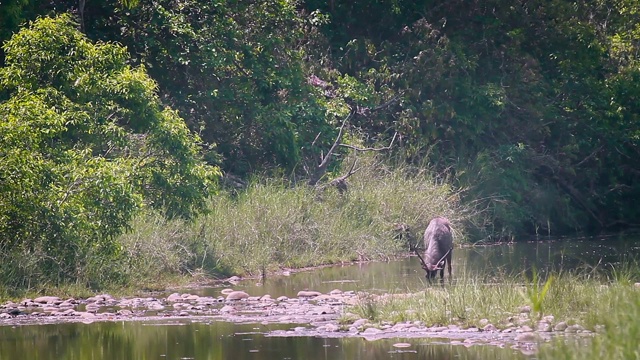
(561, 326)
(544, 327)
(371, 331)
(360, 322)
(573, 329)
(227, 309)
(490, 327)
(439, 329)
(47, 300)
(331, 327)
(237, 295)
(524, 329)
(308, 294)
(527, 337)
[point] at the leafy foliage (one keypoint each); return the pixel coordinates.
(85, 143)
(234, 71)
(480, 80)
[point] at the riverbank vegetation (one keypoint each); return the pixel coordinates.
(272, 225)
(268, 226)
(598, 301)
(119, 115)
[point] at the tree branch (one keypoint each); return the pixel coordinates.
(388, 103)
(372, 149)
(324, 160)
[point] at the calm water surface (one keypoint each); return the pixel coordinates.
(219, 340)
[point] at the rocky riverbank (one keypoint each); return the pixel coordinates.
(311, 313)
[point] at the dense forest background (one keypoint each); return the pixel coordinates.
(531, 107)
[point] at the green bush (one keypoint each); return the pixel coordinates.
(85, 144)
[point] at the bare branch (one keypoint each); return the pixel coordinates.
(590, 156)
(372, 149)
(388, 103)
(351, 171)
(316, 139)
(324, 160)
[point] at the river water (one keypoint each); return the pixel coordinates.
(203, 339)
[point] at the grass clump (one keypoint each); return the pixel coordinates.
(594, 300)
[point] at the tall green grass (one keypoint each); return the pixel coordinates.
(593, 299)
(273, 224)
(603, 301)
(612, 308)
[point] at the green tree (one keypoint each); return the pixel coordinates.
(235, 72)
(85, 144)
(529, 105)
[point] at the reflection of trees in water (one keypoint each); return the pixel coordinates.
(432, 349)
(214, 341)
(548, 256)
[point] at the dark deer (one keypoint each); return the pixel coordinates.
(438, 242)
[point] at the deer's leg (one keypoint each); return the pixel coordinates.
(449, 256)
